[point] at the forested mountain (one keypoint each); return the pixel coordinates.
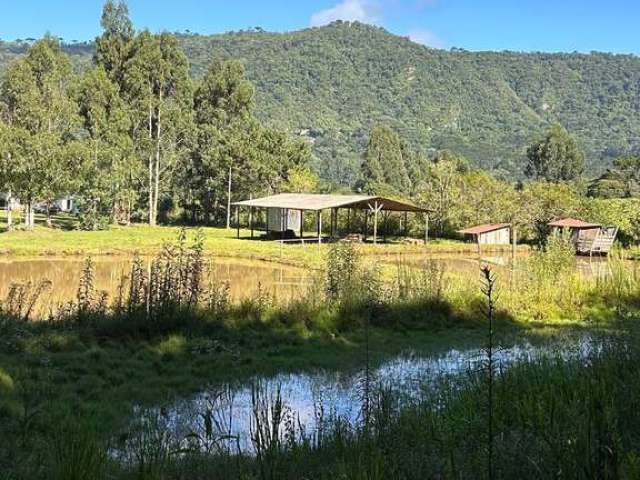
(333, 83)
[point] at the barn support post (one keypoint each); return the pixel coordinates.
(348, 221)
(266, 221)
(375, 224)
(302, 226)
(237, 221)
(426, 229)
(385, 226)
(406, 225)
(331, 222)
(319, 228)
(251, 220)
(375, 208)
(366, 226)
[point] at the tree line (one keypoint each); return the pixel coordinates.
(460, 195)
(134, 136)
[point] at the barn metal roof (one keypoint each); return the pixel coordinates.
(484, 228)
(572, 223)
(317, 201)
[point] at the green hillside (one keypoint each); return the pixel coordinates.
(332, 83)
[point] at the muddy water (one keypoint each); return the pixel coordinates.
(244, 277)
(310, 398)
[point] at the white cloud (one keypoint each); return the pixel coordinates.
(427, 38)
(348, 10)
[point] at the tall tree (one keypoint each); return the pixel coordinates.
(113, 47)
(111, 172)
(41, 117)
(555, 157)
(222, 107)
(234, 154)
(6, 173)
(442, 186)
(158, 89)
(385, 162)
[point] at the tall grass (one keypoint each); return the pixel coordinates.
(548, 417)
(177, 289)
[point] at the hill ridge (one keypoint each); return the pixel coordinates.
(332, 83)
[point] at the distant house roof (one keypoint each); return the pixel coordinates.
(317, 202)
(484, 228)
(572, 223)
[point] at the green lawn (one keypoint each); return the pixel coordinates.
(62, 239)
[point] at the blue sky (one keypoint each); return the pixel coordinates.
(529, 25)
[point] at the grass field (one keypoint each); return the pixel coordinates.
(63, 240)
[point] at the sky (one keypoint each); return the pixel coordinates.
(523, 25)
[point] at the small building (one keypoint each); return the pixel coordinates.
(8, 201)
(65, 204)
(587, 238)
(488, 234)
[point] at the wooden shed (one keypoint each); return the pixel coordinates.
(588, 238)
(488, 234)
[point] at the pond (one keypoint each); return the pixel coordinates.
(244, 277)
(223, 417)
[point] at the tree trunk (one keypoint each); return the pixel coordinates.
(152, 217)
(49, 222)
(156, 173)
(28, 219)
(9, 212)
(229, 201)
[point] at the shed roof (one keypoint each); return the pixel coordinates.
(572, 223)
(316, 202)
(484, 228)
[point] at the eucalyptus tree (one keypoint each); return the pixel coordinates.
(41, 120)
(385, 162)
(6, 173)
(234, 155)
(442, 186)
(113, 47)
(110, 173)
(222, 110)
(158, 91)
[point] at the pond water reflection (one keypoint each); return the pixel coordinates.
(244, 277)
(309, 398)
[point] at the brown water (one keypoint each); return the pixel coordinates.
(244, 277)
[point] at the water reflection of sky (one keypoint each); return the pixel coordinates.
(338, 394)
